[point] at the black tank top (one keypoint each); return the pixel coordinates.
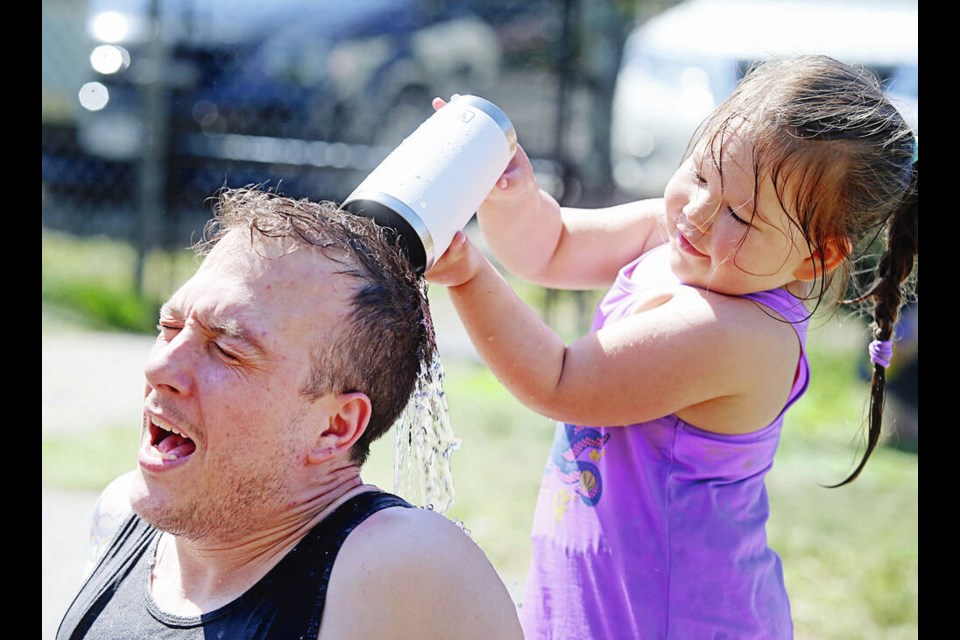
(286, 604)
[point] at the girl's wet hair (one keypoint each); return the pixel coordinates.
(844, 164)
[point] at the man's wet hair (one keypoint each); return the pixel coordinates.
(387, 337)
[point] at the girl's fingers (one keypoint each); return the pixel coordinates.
(518, 170)
(454, 266)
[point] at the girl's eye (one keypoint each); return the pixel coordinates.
(698, 177)
(733, 214)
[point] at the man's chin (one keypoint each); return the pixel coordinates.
(155, 509)
(138, 491)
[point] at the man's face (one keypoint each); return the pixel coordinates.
(226, 429)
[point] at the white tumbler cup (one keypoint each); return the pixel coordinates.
(430, 186)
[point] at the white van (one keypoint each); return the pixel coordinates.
(683, 62)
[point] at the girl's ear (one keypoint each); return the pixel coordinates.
(830, 256)
(346, 422)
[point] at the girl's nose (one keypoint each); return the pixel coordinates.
(697, 217)
(699, 213)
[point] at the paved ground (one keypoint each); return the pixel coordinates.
(88, 380)
(94, 380)
(66, 515)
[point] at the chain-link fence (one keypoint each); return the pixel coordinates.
(149, 107)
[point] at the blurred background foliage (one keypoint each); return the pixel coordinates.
(149, 106)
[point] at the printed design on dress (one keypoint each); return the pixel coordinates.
(582, 477)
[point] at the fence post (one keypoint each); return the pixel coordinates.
(153, 167)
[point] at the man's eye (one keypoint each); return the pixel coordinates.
(167, 329)
(224, 353)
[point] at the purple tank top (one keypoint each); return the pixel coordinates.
(657, 530)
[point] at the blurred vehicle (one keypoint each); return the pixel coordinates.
(683, 62)
(247, 87)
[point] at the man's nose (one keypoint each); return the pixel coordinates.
(171, 362)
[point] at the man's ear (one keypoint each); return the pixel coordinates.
(347, 421)
(830, 256)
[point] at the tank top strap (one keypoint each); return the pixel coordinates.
(130, 543)
(345, 518)
(322, 545)
(794, 311)
(785, 304)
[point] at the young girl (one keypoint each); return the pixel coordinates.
(652, 511)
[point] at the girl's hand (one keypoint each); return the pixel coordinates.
(518, 178)
(517, 182)
(459, 264)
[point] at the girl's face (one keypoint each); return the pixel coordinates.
(724, 236)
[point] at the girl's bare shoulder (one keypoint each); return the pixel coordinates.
(753, 348)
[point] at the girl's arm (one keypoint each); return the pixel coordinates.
(719, 359)
(566, 248)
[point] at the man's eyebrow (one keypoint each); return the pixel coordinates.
(167, 309)
(229, 327)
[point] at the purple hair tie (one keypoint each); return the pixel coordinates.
(880, 352)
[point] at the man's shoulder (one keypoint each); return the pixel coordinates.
(410, 529)
(110, 511)
(426, 575)
(401, 540)
(115, 498)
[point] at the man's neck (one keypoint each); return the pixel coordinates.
(194, 577)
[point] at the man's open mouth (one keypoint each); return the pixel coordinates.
(167, 443)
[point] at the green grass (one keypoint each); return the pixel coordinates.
(89, 460)
(850, 555)
(94, 279)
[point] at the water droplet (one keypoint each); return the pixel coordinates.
(424, 443)
(463, 527)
